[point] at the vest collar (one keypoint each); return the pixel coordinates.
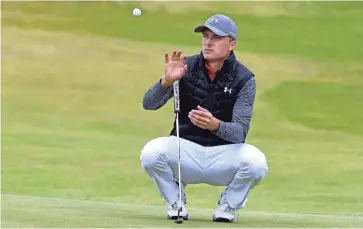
(225, 67)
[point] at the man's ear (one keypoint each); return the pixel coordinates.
(232, 45)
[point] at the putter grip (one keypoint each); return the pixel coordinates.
(176, 96)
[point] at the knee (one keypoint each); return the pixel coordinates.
(152, 152)
(253, 161)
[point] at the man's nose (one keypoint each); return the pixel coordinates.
(209, 42)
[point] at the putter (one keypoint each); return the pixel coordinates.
(180, 219)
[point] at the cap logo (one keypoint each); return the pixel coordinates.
(213, 20)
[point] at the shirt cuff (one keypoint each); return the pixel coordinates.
(219, 131)
(160, 87)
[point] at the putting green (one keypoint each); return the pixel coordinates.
(32, 211)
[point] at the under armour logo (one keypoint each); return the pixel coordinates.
(229, 90)
(213, 20)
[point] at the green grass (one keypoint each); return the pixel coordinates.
(332, 35)
(73, 124)
(69, 212)
(325, 106)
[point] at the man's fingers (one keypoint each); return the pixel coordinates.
(198, 118)
(198, 123)
(202, 113)
(173, 57)
(166, 54)
(202, 109)
(184, 59)
(178, 54)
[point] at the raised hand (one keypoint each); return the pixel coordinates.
(175, 68)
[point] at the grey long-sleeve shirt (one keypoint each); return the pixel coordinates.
(234, 131)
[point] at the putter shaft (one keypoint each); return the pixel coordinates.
(176, 111)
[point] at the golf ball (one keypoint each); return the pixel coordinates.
(136, 12)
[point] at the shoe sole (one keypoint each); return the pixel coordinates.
(176, 217)
(222, 220)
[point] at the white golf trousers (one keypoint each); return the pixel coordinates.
(238, 166)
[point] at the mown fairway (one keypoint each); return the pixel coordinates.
(73, 78)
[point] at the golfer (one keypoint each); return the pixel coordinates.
(217, 95)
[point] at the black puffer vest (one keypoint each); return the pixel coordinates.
(217, 96)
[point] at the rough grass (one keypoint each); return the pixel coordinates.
(313, 30)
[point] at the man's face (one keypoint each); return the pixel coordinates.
(216, 47)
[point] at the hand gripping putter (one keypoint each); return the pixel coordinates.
(180, 219)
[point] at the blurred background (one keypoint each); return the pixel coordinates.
(73, 79)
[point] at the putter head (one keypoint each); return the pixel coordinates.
(180, 219)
